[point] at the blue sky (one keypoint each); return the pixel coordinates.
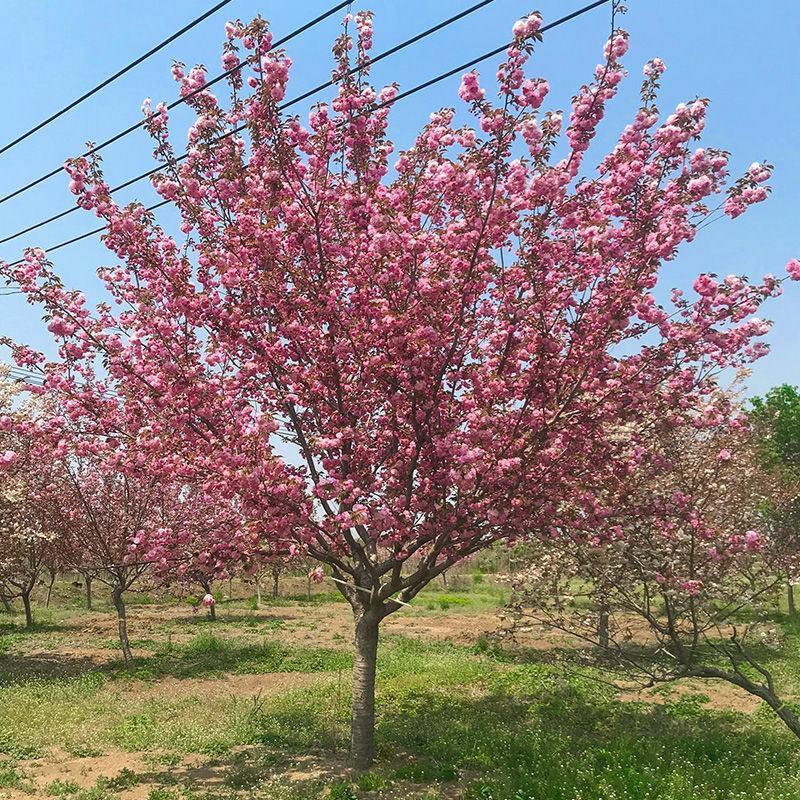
(744, 60)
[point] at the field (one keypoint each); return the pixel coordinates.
(256, 705)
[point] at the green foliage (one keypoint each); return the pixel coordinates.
(11, 775)
(777, 415)
(59, 788)
(371, 782)
(163, 794)
(341, 791)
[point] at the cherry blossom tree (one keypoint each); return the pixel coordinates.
(393, 362)
(105, 511)
(29, 523)
(206, 541)
(682, 564)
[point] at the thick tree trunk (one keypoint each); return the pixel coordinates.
(122, 622)
(602, 627)
(790, 599)
(26, 602)
(88, 593)
(276, 576)
(50, 589)
(362, 742)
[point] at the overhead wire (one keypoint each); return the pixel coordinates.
(118, 74)
(117, 136)
(400, 96)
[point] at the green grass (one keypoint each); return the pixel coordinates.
(11, 775)
(474, 723)
(207, 655)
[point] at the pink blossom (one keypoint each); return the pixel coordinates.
(317, 575)
(692, 587)
(793, 269)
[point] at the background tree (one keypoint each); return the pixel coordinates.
(684, 560)
(29, 524)
(206, 541)
(776, 419)
(107, 512)
(447, 356)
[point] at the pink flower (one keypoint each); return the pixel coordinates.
(470, 90)
(208, 600)
(654, 67)
(724, 455)
(534, 91)
(793, 269)
(692, 587)
(8, 458)
(317, 575)
(705, 285)
(752, 540)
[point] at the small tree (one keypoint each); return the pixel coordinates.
(206, 540)
(105, 512)
(680, 560)
(28, 522)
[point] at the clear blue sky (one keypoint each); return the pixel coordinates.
(743, 57)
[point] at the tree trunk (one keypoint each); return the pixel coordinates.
(602, 627)
(122, 621)
(26, 602)
(6, 604)
(50, 589)
(790, 598)
(258, 591)
(362, 742)
(764, 692)
(275, 578)
(88, 580)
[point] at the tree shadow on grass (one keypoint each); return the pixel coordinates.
(23, 667)
(209, 656)
(37, 627)
(546, 736)
(205, 656)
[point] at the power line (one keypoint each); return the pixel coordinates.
(112, 78)
(379, 57)
(402, 95)
(117, 136)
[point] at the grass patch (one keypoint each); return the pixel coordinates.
(207, 655)
(11, 775)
